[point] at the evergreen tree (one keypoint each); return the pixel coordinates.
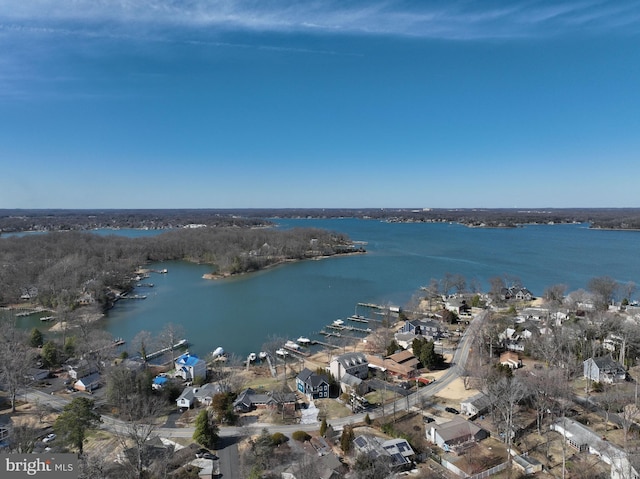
(323, 427)
(206, 431)
(36, 339)
(49, 354)
(392, 347)
(76, 419)
(346, 440)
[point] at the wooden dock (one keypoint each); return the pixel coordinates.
(297, 351)
(326, 345)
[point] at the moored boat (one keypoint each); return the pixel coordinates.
(252, 357)
(292, 345)
(303, 340)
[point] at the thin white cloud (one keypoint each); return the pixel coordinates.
(454, 19)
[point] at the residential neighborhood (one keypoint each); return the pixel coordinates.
(489, 391)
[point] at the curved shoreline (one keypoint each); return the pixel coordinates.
(218, 276)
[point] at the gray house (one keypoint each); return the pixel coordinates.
(355, 364)
(604, 370)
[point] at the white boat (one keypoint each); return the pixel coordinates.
(262, 355)
(282, 352)
(303, 340)
(217, 352)
(338, 322)
(252, 357)
(47, 318)
(292, 345)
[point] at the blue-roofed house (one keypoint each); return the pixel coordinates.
(189, 367)
(159, 382)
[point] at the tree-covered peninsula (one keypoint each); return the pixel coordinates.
(66, 269)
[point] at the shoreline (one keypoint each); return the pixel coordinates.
(219, 276)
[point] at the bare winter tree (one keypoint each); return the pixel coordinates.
(139, 428)
(505, 393)
(16, 357)
(604, 288)
(171, 333)
(554, 294)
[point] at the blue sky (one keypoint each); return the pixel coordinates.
(235, 104)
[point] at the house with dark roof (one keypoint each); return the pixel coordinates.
(422, 327)
(250, 399)
(398, 451)
(355, 364)
(604, 370)
(454, 433)
(197, 395)
(478, 404)
(87, 383)
(312, 384)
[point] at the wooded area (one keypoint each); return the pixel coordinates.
(64, 269)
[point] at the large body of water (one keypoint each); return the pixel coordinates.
(297, 299)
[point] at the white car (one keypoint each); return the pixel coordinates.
(49, 437)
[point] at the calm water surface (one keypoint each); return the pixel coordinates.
(301, 298)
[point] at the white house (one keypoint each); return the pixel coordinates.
(582, 438)
(189, 367)
(355, 364)
(197, 395)
(477, 404)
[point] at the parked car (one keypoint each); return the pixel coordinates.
(427, 419)
(452, 410)
(49, 437)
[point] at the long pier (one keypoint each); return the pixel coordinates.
(183, 343)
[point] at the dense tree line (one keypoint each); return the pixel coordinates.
(65, 267)
(76, 220)
(55, 220)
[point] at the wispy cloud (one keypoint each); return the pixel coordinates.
(453, 19)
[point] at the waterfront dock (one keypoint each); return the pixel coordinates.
(183, 343)
(326, 345)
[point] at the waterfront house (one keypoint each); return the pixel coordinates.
(604, 370)
(458, 305)
(454, 433)
(312, 384)
(355, 364)
(189, 367)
